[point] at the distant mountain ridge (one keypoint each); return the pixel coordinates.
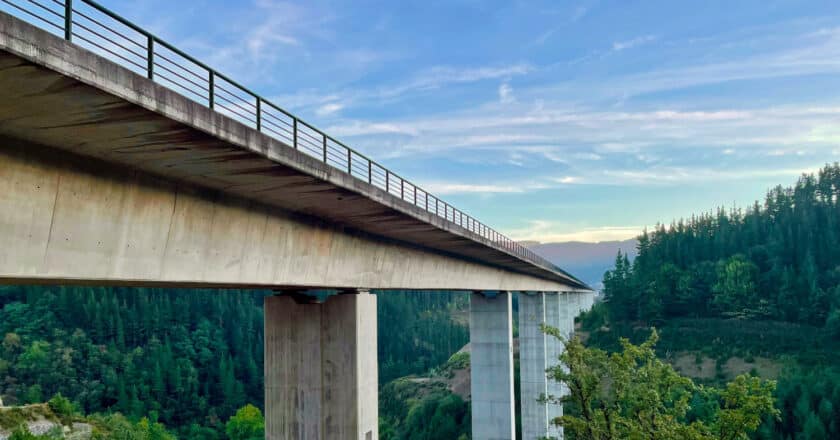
(587, 261)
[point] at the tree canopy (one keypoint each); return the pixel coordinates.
(631, 394)
(777, 260)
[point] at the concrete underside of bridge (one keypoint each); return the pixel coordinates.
(65, 219)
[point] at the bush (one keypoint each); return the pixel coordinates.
(458, 361)
(22, 433)
(62, 407)
(246, 424)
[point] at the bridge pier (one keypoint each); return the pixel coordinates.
(491, 366)
(556, 307)
(321, 375)
(533, 382)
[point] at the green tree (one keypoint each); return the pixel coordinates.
(735, 289)
(246, 424)
(631, 394)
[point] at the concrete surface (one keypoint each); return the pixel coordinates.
(532, 365)
(491, 367)
(66, 219)
(320, 368)
(555, 307)
(57, 94)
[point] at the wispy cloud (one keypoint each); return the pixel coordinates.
(506, 94)
(440, 76)
(681, 175)
(635, 42)
(427, 81)
(329, 109)
(545, 231)
(450, 188)
(577, 14)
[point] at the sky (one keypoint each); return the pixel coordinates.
(548, 120)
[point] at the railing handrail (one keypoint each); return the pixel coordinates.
(291, 134)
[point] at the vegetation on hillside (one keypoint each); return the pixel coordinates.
(758, 282)
(191, 358)
(419, 330)
(631, 394)
(779, 261)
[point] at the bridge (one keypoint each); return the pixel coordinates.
(124, 161)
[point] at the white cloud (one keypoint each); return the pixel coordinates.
(587, 156)
(659, 175)
(365, 128)
(567, 180)
(635, 42)
(545, 231)
(432, 78)
(329, 109)
(441, 188)
(506, 94)
(440, 76)
(449, 188)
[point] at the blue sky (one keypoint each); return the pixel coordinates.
(550, 120)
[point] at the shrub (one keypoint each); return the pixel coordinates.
(62, 406)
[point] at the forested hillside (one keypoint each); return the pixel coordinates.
(190, 358)
(756, 288)
(777, 260)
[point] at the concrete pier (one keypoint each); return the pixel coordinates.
(321, 374)
(532, 364)
(555, 307)
(491, 362)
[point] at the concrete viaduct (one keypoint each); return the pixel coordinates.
(111, 176)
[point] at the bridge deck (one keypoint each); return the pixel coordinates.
(57, 94)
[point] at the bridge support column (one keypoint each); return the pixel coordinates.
(532, 364)
(491, 366)
(555, 306)
(321, 375)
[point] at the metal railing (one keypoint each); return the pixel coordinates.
(96, 28)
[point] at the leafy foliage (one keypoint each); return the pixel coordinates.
(61, 406)
(631, 394)
(414, 410)
(762, 281)
(246, 424)
(192, 357)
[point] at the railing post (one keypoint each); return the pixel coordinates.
(387, 180)
(325, 147)
(370, 171)
(68, 20)
(150, 57)
(211, 89)
(415, 196)
(259, 114)
(294, 132)
(349, 162)
(402, 188)
(427, 201)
